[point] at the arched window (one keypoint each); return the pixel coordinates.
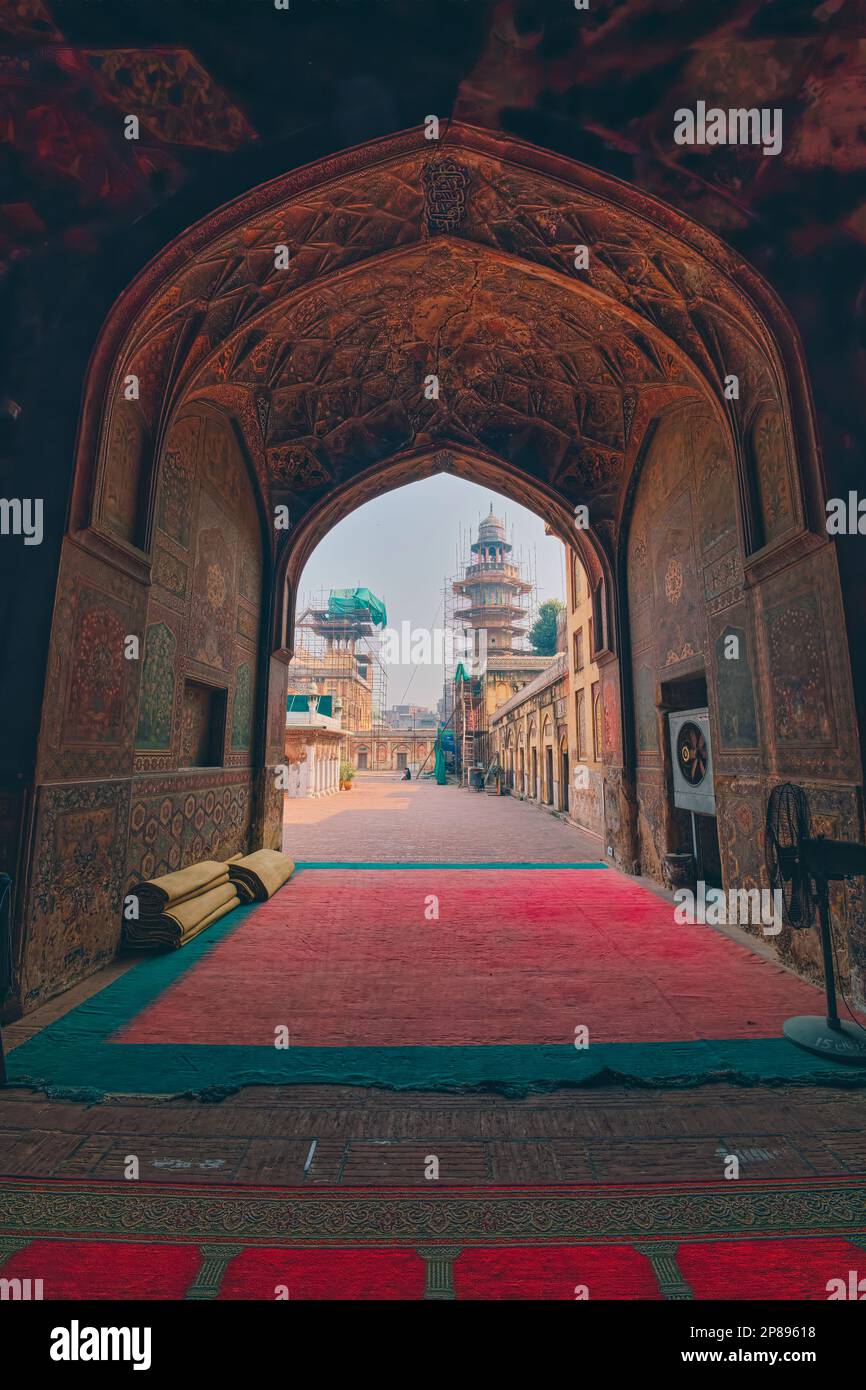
(580, 719)
(597, 722)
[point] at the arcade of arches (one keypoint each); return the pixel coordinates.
(302, 387)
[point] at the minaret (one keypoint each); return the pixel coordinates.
(494, 588)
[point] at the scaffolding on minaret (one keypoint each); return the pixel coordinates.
(490, 594)
(494, 590)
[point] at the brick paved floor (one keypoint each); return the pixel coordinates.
(349, 1135)
(383, 818)
(335, 1134)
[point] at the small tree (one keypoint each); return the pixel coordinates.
(347, 771)
(543, 634)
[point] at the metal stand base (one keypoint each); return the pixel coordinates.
(828, 1037)
(847, 1043)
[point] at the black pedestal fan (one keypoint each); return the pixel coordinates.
(802, 867)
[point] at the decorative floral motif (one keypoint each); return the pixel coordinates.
(156, 700)
(212, 620)
(123, 463)
(170, 573)
(768, 442)
(242, 713)
(215, 586)
(674, 580)
(193, 816)
(800, 694)
(97, 686)
(52, 1208)
(175, 482)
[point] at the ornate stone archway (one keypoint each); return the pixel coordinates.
(431, 315)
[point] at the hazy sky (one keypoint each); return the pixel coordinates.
(404, 545)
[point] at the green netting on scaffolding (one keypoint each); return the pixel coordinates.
(347, 603)
(300, 704)
(439, 764)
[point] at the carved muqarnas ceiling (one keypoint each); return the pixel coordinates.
(532, 371)
(406, 263)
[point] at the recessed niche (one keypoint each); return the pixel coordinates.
(203, 729)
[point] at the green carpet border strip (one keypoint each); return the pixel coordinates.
(64, 1208)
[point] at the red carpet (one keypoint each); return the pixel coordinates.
(75, 1269)
(347, 958)
(325, 1274)
(554, 1273)
(751, 1269)
(723, 1240)
(105, 1269)
(787, 1269)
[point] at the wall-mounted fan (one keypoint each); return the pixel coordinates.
(692, 753)
(692, 761)
(802, 866)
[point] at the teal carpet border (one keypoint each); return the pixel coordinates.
(84, 1072)
(76, 1057)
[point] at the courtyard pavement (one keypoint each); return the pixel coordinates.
(383, 819)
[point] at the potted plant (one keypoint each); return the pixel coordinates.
(347, 772)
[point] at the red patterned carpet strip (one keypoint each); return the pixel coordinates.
(514, 958)
(73, 1239)
(801, 1270)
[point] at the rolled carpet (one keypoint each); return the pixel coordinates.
(181, 922)
(258, 876)
(156, 895)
